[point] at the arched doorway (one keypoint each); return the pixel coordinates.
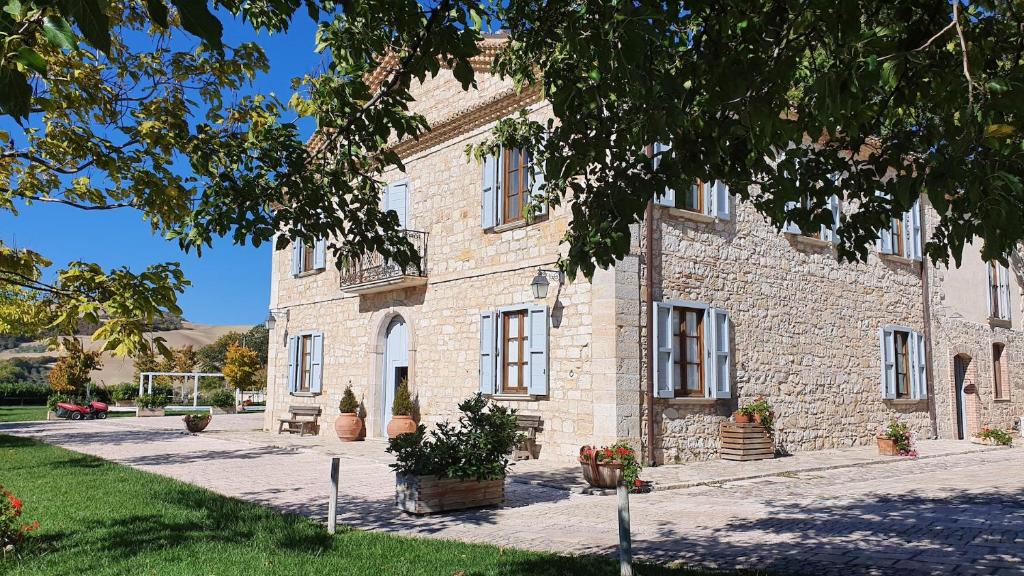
(396, 367)
(965, 396)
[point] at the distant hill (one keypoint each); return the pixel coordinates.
(116, 370)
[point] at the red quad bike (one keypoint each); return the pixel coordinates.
(97, 410)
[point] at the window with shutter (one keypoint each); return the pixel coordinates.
(488, 335)
(304, 365)
(903, 236)
(887, 347)
(293, 363)
(692, 353)
(721, 383)
(514, 355)
(316, 370)
(998, 291)
(489, 193)
(904, 364)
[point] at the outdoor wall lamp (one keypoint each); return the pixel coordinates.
(272, 318)
(540, 282)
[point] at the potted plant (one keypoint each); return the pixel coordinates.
(759, 411)
(197, 422)
(349, 425)
(223, 401)
(992, 437)
(896, 440)
(457, 466)
(150, 405)
(401, 412)
(604, 467)
(124, 394)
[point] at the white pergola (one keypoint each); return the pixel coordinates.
(147, 378)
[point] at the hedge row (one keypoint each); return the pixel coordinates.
(23, 392)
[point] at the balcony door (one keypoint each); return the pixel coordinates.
(396, 197)
(396, 367)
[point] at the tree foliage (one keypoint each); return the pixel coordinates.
(789, 102)
(242, 368)
(71, 372)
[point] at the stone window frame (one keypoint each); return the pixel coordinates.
(1001, 389)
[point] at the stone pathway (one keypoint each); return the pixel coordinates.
(955, 513)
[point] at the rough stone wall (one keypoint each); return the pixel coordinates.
(469, 271)
(804, 331)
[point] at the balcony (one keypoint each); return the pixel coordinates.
(372, 273)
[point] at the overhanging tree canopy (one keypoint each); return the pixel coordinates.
(874, 101)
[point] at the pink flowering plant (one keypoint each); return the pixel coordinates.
(906, 441)
(12, 529)
(618, 453)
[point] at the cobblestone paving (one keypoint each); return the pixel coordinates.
(960, 514)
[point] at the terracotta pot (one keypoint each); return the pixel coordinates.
(601, 475)
(401, 425)
(887, 447)
(349, 427)
(195, 426)
(742, 418)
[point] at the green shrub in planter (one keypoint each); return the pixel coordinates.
(348, 404)
(151, 401)
(123, 392)
(51, 402)
(222, 398)
(477, 448)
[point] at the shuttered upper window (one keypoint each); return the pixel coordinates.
(308, 257)
(516, 192)
(903, 236)
(305, 363)
(711, 198)
(692, 351)
(904, 364)
(998, 291)
(511, 180)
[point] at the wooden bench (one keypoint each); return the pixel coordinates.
(301, 419)
(529, 425)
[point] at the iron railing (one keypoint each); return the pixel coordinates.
(374, 268)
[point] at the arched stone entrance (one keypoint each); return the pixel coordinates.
(395, 368)
(388, 328)
(965, 397)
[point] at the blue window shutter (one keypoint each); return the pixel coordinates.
(887, 347)
(396, 197)
(535, 187)
(320, 255)
(1004, 292)
(293, 362)
(829, 233)
(664, 381)
(296, 257)
(885, 241)
(791, 227)
(489, 194)
(668, 197)
(918, 363)
(722, 199)
(537, 341)
(316, 369)
(915, 230)
(718, 381)
(488, 357)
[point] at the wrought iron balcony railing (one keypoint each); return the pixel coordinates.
(372, 273)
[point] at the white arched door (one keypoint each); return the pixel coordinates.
(396, 367)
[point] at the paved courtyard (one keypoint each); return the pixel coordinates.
(958, 511)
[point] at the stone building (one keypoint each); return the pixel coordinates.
(741, 310)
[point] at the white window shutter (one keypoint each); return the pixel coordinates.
(918, 363)
(488, 349)
(887, 349)
(722, 208)
(719, 366)
(885, 240)
(790, 226)
(707, 190)
(489, 193)
(988, 291)
(537, 342)
(316, 365)
(664, 387)
(1004, 292)
(320, 255)
(535, 187)
(297, 253)
(668, 197)
(914, 246)
(829, 233)
(293, 362)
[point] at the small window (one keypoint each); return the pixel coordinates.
(514, 352)
(305, 363)
(999, 373)
(517, 185)
(827, 233)
(901, 353)
(904, 364)
(688, 341)
(307, 257)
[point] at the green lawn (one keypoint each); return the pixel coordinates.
(29, 413)
(98, 517)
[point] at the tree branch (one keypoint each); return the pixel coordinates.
(80, 206)
(963, 50)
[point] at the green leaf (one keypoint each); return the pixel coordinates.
(59, 33)
(197, 19)
(157, 12)
(15, 93)
(999, 131)
(91, 18)
(31, 59)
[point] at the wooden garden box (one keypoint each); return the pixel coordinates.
(745, 442)
(429, 494)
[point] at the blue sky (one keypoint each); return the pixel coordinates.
(230, 284)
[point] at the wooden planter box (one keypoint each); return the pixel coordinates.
(887, 447)
(743, 442)
(146, 412)
(429, 494)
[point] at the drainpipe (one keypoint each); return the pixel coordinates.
(926, 307)
(649, 345)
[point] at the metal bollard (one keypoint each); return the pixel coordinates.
(332, 506)
(625, 538)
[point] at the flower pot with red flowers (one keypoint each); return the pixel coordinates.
(401, 412)
(606, 466)
(896, 440)
(349, 425)
(742, 418)
(759, 412)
